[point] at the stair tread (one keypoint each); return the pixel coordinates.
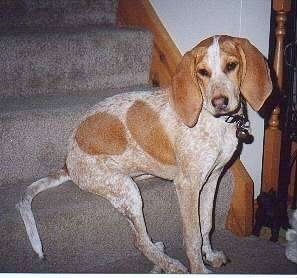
(17, 104)
(49, 14)
(67, 216)
(83, 233)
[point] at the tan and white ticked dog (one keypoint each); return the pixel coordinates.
(175, 133)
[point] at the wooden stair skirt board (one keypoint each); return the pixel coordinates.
(165, 59)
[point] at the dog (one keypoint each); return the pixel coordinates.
(270, 213)
(177, 133)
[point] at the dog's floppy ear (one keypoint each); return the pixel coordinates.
(185, 95)
(256, 83)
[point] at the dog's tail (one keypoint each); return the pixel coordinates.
(24, 206)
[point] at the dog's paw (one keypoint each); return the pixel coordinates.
(215, 258)
(206, 270)
(157, 269)
(160, 245)
(174, 265)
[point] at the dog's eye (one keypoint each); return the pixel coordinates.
(231, 66)
(203, 72)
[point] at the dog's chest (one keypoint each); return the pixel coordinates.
(211, 141)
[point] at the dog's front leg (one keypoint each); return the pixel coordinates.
(213, 257)
(188, 196)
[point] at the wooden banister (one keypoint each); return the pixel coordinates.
(272, 141)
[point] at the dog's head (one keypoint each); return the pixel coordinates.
(214, 73)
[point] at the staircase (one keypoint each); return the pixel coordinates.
(51, 75)
(59, 58)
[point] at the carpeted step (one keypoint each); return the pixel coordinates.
(82, 232)
(51, 14)
(35, 130)
(66, 61)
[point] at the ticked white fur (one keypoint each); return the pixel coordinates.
(214, 61)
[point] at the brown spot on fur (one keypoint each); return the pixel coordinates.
(101, 133)
(147, 130)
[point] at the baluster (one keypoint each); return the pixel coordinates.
(272, 141)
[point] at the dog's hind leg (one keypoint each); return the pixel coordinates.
(123, 194)
(24, 206)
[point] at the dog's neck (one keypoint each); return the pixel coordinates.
(240, 119)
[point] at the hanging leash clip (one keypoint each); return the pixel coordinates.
(242, 125)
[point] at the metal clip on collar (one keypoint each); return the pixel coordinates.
(242, 125)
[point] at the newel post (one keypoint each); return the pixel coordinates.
(272, 141)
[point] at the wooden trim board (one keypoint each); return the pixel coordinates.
(166, 55)
(165, 59)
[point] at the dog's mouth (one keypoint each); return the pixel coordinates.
(220, 104)
(223, 108)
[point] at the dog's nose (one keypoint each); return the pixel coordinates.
(220, 103)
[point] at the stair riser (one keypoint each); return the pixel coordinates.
(34, 143)
(65, 62)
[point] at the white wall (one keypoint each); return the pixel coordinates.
(189, 21)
